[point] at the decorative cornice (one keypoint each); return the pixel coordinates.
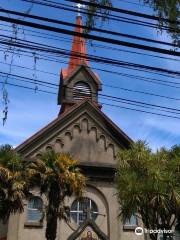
(84, 107)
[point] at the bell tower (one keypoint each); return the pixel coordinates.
(78, 82)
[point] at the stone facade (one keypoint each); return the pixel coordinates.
(3, 231)
(84, 131)
(90, 137)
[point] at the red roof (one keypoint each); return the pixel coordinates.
(79, 48)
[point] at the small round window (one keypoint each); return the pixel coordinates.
(81, 90)
(82, 209)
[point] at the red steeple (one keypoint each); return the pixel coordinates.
(78, 51)
(73, 87)
(78, 47)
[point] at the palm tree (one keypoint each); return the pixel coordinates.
(13, 187)
(174, 153)
(58, 177)
(147, 185)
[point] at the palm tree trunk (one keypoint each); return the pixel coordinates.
(51, 227)
(52, 213)
(153, 236)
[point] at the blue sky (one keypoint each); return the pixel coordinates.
(29, 111)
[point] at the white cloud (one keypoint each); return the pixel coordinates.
(170, 126)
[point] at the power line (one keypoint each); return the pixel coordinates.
(116, 100)
(137, 105)
(66, 7)
(137, 110)
(134, 77)
(130, 101)
(87, 28)
(101, 95)
(142, 92)
(16, 85)
(124, 11)
(129, 76)
(64, 39)
(42, 47)
(89, 36)
(30, 80)
(133, 3)
(113, 98)
(107, 104)
(21, 86)
(64, 53)
(106, 85)
(24, 67)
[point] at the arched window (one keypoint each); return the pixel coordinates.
(81, 208)
(81, 90)
(131, 222)
(34, 209)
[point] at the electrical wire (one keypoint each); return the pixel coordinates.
(64, 39)
(132, 76)
(111, 97)
(133, 3)
(106, 85)
(89, 36)
(42, 47)
(98, 30)
(120, 99)
(124, 11)
(123, 19)
(103, 103)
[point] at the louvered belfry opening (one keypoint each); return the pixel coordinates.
(81, 90)
(78, 81)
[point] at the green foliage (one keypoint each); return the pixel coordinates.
(148, 185)
(13, 187)
(169, 9)
(10, 159)
(58, 177)
(91, 18)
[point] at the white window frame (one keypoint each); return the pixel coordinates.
(78, 211)
(33, 209)
(128, 222)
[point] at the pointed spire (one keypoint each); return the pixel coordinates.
(78, 62)
(78, 48)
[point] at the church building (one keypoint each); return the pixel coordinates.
(83, 130)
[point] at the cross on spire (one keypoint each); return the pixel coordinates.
(79, 6)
